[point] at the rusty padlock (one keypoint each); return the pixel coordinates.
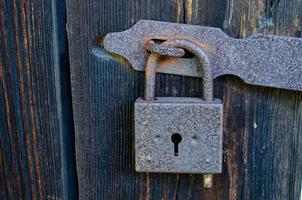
(178, 134)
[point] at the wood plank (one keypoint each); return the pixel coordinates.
(104, 92)
(260, 152)
(263, 133)
(34, 102)
(205, 12)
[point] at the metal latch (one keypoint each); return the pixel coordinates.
(184, 135)
(265, 60)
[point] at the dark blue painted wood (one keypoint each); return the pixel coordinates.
(262, 134)
(104, 91)
(36, 126)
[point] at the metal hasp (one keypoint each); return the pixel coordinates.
(264, 60)
(184, 135)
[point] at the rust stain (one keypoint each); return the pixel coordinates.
(99, 40)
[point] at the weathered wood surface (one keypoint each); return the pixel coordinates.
(262, 134)
(103, 93)
(262, 126)
(35, 161)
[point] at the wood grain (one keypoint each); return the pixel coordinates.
(34, 100)
(262, 126)
(104, 92)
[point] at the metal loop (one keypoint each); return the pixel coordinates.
(150, 81)
(164, 50)
(193, 48)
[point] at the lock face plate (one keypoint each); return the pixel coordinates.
(199, 124)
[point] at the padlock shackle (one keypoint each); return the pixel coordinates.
(195, 49)
(150, 76)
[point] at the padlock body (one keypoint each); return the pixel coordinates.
(198, 122)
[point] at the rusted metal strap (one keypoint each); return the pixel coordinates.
(264, 60)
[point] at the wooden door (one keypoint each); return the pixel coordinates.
(262, 126)
(66, 120)
(36, 126)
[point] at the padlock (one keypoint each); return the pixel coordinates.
(178, 134)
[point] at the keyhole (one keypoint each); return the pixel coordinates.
(176, 139)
